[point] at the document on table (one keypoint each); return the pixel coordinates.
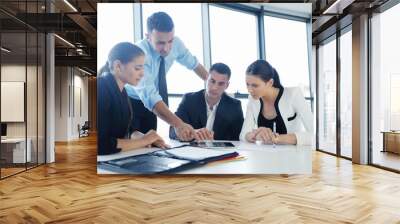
(196, 153)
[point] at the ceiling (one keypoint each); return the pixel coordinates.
(330, 16)
(76, 23)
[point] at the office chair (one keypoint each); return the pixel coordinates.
(84, 130)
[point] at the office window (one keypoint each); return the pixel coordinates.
(286, 50)
(233, 37)
(41, 79)
(313, 104)
(327, 96)
(116, 25)
(13, 84)
(394, 101)
(346, 94)
(385, 88)
(22, 95)
(32, 95)
(188, 27)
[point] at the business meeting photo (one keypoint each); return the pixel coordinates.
(204, 89)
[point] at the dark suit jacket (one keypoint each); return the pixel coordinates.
(228, 118)
(113, 115)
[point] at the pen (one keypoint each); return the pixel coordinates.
(274, 131)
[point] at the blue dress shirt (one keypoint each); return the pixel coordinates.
(147, 89)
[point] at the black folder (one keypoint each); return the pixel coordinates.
(158, 162)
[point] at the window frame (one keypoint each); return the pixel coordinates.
(258, 12)
(333, 37)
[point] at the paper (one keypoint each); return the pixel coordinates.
(196, 153)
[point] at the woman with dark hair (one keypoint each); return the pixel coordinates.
(275, 115)
(125, 64)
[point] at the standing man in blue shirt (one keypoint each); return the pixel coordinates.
(150, 97)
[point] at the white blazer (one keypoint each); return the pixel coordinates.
(295, 112)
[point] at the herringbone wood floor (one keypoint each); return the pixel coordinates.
(70, 191)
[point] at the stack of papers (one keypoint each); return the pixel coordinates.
(196, 153)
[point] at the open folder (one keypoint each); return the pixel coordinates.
(165, 161)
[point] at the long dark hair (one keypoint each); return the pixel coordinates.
(264, 71)
(124, 52)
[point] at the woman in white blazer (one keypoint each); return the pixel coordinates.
(269, 102)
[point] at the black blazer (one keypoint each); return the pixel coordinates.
(113, 115)
(228, 118)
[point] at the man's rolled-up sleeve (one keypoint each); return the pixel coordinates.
(184, 57)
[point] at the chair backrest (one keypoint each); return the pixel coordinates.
(86, 125)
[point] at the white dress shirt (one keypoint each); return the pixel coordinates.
(211, 111)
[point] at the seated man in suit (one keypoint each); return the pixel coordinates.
(212, 113)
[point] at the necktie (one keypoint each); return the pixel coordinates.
(162, 81)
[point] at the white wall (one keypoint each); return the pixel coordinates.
(71, 93)
(79, 117)
(61, 103)
(33, 126)
(14, 73)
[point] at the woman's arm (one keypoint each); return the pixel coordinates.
(140, 141)
(267, 136)
(129, 144)
(106, 143)
(236, 127)
(286, 139)
(248, 124)
(251, 136)
(306, 116)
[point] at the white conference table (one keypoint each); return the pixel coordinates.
(259, 159)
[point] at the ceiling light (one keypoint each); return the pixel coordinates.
(79, 51)
(337, 7)
(64, 40)
(5, 50)
(84, 71)
(70, 5)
